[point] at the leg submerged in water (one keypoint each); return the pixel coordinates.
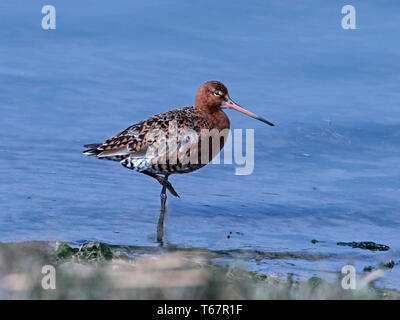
(160, 225)
(163, 196)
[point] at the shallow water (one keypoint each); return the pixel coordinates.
(328, 171)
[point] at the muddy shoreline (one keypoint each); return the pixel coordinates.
(96, 270)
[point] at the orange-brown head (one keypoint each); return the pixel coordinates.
(213, 96)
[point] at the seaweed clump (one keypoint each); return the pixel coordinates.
(366, 245)
(89, 251)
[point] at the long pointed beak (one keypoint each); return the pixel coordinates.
(232, 105)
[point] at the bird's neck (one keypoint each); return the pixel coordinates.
(215, 116)
(221, 120)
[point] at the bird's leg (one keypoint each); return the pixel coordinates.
(163, 181)
(163, 197)
(165, 185)
(160, 225)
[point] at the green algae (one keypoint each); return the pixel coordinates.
(63, 251)
(90, 251)
(382, 266)
(95, 251)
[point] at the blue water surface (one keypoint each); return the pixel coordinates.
(329, 170)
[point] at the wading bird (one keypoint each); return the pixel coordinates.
(148, 148)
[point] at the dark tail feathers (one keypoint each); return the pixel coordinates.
(92, 149)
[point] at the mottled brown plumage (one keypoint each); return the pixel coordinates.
(133, 142)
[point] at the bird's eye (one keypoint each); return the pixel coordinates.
(217, 93)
